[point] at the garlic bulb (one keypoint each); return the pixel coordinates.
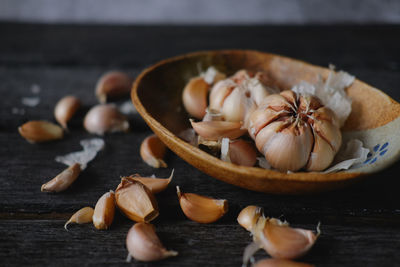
(237, 96)
(295, 131)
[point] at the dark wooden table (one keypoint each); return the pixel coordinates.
(360, 224)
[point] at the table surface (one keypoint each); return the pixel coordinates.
(360, 224)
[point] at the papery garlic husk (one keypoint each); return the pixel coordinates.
(201, 209)
(65, 108)
(104, 211)
(152, 151)
(194, 97)
(63, 180)
(84, 215)
(113, 84)
(156, 185)
(215, 130)
(40, 131)
(136, 201)
(280, 263)
(105, 118)
(249, 216)
(143, 244)
(295, 131)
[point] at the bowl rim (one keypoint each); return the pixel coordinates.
(175, 143)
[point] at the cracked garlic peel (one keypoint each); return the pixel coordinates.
(295, 131)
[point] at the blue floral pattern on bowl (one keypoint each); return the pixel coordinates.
(377, 151)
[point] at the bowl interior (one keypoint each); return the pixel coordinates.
(157, 96)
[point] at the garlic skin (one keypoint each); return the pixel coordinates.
(84, 215)
(104, 211)
(201, 209)
(65, 108)
(156, 185)
(295, 131)
(152, 151)
(280, 263)
(40, 131)
(136, 201)
(194, 97)
(63, 180)
(105, 118)
(112, 84)
(143, 244)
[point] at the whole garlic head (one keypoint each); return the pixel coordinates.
(295, 131)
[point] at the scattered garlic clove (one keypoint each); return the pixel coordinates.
(40, 131)
(105, 118)
(152, 151)
(104, 211)
(194, 97)
(242, 153)
(65, 108)
(113, 84)
(136, 201)
(248, 217)
(143, 244)
(280, 263)
(200, 208)
(84, 215)
(215, 130)
(155, 185)
(63, 180)
(282, 241)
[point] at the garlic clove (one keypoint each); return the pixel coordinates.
(212, 115)
(280, 263)
(234, 107)
(65, 108)
(155, 185)
(219, 92)
(200, 208)
(282, 241)
(249, 216)
(267, 132)
(104, 211)
(112, 84)
(40, 131)
(308, 103)
(84, 215)
(262, 117)
(215, 130)
(290, 148)
(242, 75)
(328, 132)
(321, 156)
(326, 114)
(136, 201)
(152, 151)
(194, 97)
(105, 118)
(290, 96)
(143, 244)
(63, 180)
(242, 153)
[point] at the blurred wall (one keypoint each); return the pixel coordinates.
(201, 12)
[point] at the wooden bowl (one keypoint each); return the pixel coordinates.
(157, 92)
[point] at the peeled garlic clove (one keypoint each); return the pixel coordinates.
(200, 208)
(214, 130)
(104, 211)
(65, 108)
(113, 84)
(155, 185)
(290, 148)
(321, 156)
(84, 215)
(242, 153)
(62, 181)
(152, 151)
(143, 244)
(282, 241)
(136, 201)
(105, 118)
(248, 217)
(40, 131)
(194, 97)
(280, 263)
